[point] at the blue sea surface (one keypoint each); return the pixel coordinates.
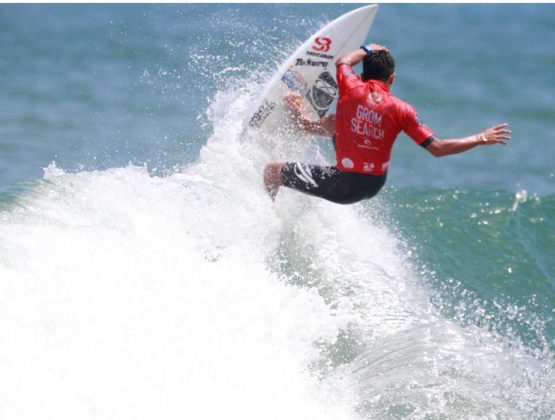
(144, 272)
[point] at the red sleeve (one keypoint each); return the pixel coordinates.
(413, 126)
(347, 79)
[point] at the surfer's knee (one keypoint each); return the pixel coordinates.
(272, 178)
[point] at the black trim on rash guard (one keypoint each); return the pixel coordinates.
(427, 142)
(330, 183)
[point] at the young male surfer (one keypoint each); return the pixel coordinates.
(367, 121)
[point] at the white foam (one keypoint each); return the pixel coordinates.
(128, 296)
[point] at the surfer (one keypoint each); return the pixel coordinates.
(367, 121)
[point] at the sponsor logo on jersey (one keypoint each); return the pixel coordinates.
(322, 44)
(375, 97)
(368, 167)
(347, 163)
(367, 144)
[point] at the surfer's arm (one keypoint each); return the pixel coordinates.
(324, 126)
(498, 134)
(354, 57)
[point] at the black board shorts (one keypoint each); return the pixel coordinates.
(330, 183)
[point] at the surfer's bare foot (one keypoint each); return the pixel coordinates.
(272, 179)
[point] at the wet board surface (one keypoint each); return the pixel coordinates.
(309, 71)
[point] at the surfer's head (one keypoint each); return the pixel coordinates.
(379, 65)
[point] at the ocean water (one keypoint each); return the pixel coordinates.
(144, 273)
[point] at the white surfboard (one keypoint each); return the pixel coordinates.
(309, 71)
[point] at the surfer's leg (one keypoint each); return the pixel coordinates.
(272, 179)
(320, 181)
(330, 183)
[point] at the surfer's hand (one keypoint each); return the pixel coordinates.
(294, 103)
(498, 134)
(301, 116)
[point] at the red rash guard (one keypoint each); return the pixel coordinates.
(368, 120)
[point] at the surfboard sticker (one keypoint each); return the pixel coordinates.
(311, 62)
(263, 112)
(294, 81)
(322, 93)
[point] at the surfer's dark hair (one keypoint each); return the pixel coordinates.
(378, 66)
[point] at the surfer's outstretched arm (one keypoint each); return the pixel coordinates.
(498, 134)
(324, 126)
